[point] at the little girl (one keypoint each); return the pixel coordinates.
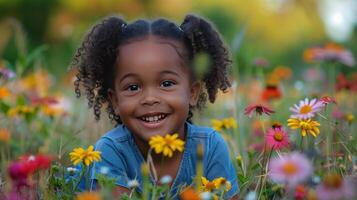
(143, 73)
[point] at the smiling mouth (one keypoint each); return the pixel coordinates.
(153, 118)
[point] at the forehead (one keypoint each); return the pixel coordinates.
(151, 51)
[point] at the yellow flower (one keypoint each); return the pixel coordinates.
(217, 124)
(222, 182)
(229, 123)
(38, 82)
(167, 145)
(208, 186)
(4, 92)
(86, 156)
(20, 110)
(88, 196)
(51, 110)
(306, 126)
(4, 135)
(350, 118)
(225, 123)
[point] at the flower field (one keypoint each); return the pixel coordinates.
(290, 127)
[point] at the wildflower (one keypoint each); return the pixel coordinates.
(36, 162)
(88, 196)
(104, 170)
(229, 123)
(283, 72)
(290, 169)
(208, 196)
(277, 138)
(20, 110)
(300, 192)
(335, 187)
(271, 92)
(208, 186)
(261, 62)
(167, 145)
(306, 126)
(259, 110)
(38, 83)
(350, 118)
(6, 73)
(71, 170)
(189, 194)
(86, 156)
(222, 182)
(4, 92)
(217, 124)
(226, 123)
(306, 109)
(4, 135)
(133, 183)
(331, 53)
(165, 179)
(252, 195)
(327, 100)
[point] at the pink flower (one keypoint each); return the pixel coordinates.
(334, 187)
(258, 109)
(277, 138)
(290, 169)
(327, 100)
(306, 109)
(261, 62)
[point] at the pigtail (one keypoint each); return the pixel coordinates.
(204, 38)
(96, 58)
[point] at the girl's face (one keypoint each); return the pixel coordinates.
(153, 88)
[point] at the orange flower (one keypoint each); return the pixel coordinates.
(282, 72)
(88, 196)
(4, 135)
(189, 194)
(4, 92)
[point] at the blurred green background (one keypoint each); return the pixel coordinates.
(277, 30)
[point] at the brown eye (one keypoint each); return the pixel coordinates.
(167, 83)
(132, 87)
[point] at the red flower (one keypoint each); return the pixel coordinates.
(258, 109)
(327, 100)
(271, 92)
(36, 162)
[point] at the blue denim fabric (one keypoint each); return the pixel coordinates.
(122, 157)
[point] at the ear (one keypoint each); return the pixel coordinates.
(114, 100)
(194, 92)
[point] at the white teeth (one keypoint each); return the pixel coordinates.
(153, 118)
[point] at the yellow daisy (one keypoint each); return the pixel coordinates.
(86, 156)
(306, 126)
(166, 145)
(217, 124)
(208, 186)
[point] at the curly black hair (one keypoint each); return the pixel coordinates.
(96, 58)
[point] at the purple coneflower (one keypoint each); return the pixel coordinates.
(290, 169)
(258, 109)
(334, 187)
(277, 138)
(306, 109)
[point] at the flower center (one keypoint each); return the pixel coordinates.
(305, 109)
(305, 125)
(290, 168)
(168, 141)
(333, 181)
(210, 186)
(278, 136)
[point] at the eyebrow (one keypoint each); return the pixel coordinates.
(126, 76)
(169, 72)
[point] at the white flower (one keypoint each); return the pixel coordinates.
(306, 109)
(133, 183)
(104, 170)
(165, 179)
(205, 196)
(252, 195)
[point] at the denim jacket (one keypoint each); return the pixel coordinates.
(122, 157)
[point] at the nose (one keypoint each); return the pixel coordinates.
(149, 97)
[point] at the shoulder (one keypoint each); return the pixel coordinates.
(206, 135)
(118, 136)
